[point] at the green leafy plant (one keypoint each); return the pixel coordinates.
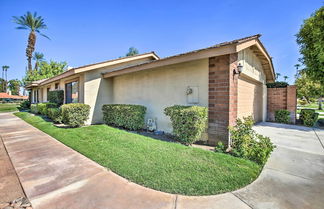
(188, 122)
(124, 115)
(308, 117)
(75, 114)
(246, 143)
(282, 116)
(25, 105)
(33, 108)
(220, 147)
(55, 114)
(56, 96)
(42, 107)
(277, 84)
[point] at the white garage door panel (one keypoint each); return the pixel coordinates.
(249, 99)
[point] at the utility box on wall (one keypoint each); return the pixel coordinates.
(192, 95)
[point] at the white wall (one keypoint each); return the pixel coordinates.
(159, 88)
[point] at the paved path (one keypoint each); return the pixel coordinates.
(54, 176)
(10, 188)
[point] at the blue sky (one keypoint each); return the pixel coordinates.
(84, 32)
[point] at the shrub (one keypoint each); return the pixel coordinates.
(277, 84)
(25, 105)
(33, 108)
(127, 116)
(246, 143)
(188, 122)
(42, 107)
(56, 96)
(75, 114)
(308, 117)
(282, 116)
(55, 114)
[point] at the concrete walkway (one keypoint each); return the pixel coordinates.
(55, 176)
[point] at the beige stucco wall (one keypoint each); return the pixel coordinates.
(159, 88)
(252, 93)
(98, 91)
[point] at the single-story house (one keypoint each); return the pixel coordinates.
(7, 97)
(229, 78)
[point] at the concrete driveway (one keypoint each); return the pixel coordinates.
(54, 176)
(293, 177)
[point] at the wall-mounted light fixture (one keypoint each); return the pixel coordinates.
(239, 69)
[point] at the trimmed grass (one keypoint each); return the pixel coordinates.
(8, 107)
(164, 166)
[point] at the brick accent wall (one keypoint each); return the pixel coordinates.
(282, 98)
(222, 97)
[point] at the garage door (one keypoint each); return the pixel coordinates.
(249, 98)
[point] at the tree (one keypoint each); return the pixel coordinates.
(34, 24)
(38, 57)
(307, 88)
(4, 77)
(2, 85)
(311, 46)
(45, 70)
(277, 76)
(14, 86)
(132, 51)
(285, 78)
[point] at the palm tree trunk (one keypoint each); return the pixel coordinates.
(30, 49)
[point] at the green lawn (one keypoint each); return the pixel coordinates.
(164, 166)
(8, 107)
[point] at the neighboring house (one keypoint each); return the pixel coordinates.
(206, 77)
(12, 98)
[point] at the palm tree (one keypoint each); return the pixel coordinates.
(285, 77)
(34, 24)
(4, 72)
(277, 76)
(38, 57)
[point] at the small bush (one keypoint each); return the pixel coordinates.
(56, 96)
(188, 122)
(25, 105)
(277, 84)
(55, 114)
(282, 116)
(42, 107)
(75, 114)
(246, 143)
(33, 108)
(127, 116)
(308, 117)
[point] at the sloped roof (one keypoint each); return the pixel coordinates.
(7, 96)
(227, 47)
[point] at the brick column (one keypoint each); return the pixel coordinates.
(292, 102)
(282, 99)
(222, 97)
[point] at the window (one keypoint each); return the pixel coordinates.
(57, 86)
(72, 92)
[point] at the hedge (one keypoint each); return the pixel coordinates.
(42, 107)
(188, 122)
(25, 105)
(308, 117)
(56, 96)
(55, 114)
(282, 116)
(33, 108)
(75, 114)
(127, 116)
(277, 84)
